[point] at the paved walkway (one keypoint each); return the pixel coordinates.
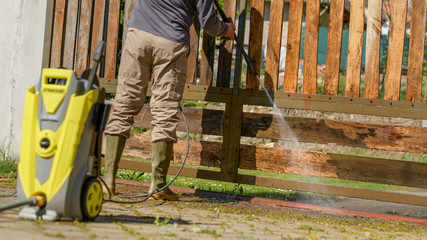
(199, 217)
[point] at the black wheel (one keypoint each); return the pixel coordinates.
(91, 199)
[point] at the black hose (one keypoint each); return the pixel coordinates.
(146, 196)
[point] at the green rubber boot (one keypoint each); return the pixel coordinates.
(113, 152)
(162, 155)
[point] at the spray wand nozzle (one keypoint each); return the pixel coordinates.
(97, 57)
(36, 200)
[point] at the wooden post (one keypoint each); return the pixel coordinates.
(58, 33)
(355, 46)
(333, 53)
(416, 51)
(70, 34)
(310, 46)
(395, 53)
(112, 39)
(255, 41)
(293, 46)
(372, 63)
(48, 33)
(207, 61)
(225, 52)
(274, 45)
(84, 36)
(192, 60)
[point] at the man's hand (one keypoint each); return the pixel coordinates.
(230, 31)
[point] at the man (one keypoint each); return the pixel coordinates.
(156, 47)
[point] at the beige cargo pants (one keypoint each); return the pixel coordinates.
(144, 57)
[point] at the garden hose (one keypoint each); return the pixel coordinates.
(145, 196)
(37, 200)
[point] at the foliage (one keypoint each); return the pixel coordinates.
(8, 166)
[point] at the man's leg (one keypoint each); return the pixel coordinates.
(134, 74)
(169, 73)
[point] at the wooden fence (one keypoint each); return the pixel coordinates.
(79, 24)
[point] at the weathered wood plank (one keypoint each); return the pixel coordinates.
(345, 133)
(192, 60)
(289, 161)
(58, 34)
(207, 60)
(274, 43)
(293, 46)
(372, 63)
(395, 54)
(312, 130)
(416, 51)
(70, 34)
(129, 4)
(255, 41)
(355, 46)
(310, 45)
(97, 26)
(226, 49)
(84, 35)
(333, 53)
(112, 39)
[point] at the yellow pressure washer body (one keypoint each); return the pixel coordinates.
(61, 146)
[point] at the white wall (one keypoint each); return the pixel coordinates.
(22, 28)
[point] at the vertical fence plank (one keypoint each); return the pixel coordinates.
(97, 25)
(207, 61)
(395, 54)
(112, 39)
(274, 44)
(241, 37)
(333, 53)
(310, 45)
(416, 51)
(372, 63)
(48, 30)
(58, 33)
(293, 46)
(84, 34)
(355, 46)
(129, 4)
(70, 34)
(193, 54)
(255, 41)
(226, 49)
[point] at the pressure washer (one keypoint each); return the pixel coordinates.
(64, 117)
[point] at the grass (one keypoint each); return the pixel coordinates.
(8, 166)
(255, 191)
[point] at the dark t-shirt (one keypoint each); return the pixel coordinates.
(171, 19)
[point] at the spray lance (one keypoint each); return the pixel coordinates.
(239, 44)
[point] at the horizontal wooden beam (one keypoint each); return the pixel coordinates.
(375, 107)
(312, 130)
(289, 184)
(291, 161)
(192, 92)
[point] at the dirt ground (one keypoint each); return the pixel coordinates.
(197, 217)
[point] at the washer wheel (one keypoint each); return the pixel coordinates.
(91, 199)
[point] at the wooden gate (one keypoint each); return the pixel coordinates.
(79, 24)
